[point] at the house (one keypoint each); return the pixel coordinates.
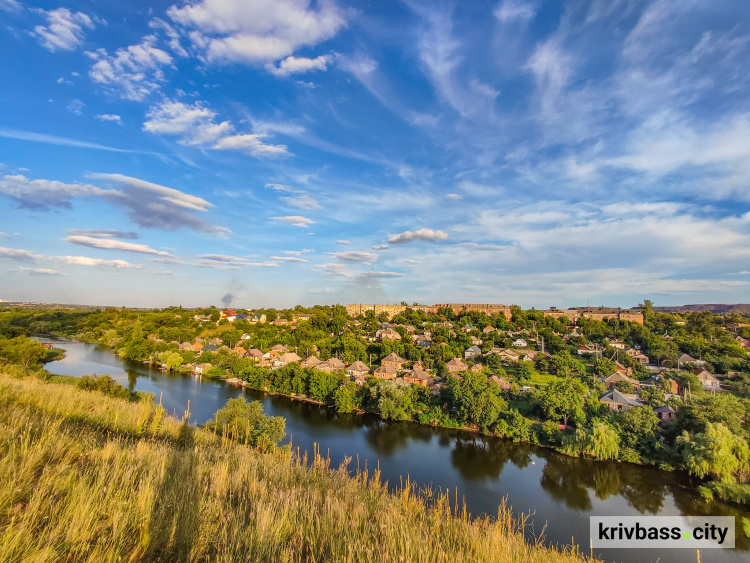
(502, 383)
(688, 359)
(216, 341)
(239, 350)
(520, 343)
(387, 334)
(617, 401)
(418, 377)
(637, 355)
(228, 315)
(587, 349)
(743, 342)
(245, 336)
(310, 362)
(708, 381)
(611, 381)
(200, 369)
(616, 344)
(281, 321)
(302, 318)
(335, 363)
(488, 329)
(358, 369)
(665, 413)
(254, 354)
(393, 361)
(622, 369)
(287, 358)
(423, 341)
(510, 356)
(418, 365)
(472, 351)
(280, 348)
(240, 317)
(476, 368)
(456, 365)
(385, 372)
(197, 347)
(185, 346)
(209, 348)
(475, 340)
(258, 318)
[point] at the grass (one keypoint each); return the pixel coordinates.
(85, 477)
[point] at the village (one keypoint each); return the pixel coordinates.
(622, 391)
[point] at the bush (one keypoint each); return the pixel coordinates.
(104, 384)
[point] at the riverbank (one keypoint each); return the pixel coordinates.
(90, 478)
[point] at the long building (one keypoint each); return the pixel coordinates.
(596, 313)
(392, 310)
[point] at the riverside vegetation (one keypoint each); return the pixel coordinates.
(708, 436)
(85, 476)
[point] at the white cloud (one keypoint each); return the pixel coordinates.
(454, 196)
(10, 6)
(298, 252)
(298, 65)
(158, 207)
(65, 81)
(75, 107)
(40, 271)
(85, 261)
(258, 32)
(133, 72)
(172, 34)
(356, 256)
(296, 220)
(513, 10)
(380, 247)
(302, 201)
(227, 262)
(104, 233)
(114, 118)
(343, 242)
(44, 194)
(17, 254)
(428, 235)
(64, 30)
(288, 259)
(251, 144)
(196, 125)
(112, 244)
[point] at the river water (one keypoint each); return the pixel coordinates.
(558, 492)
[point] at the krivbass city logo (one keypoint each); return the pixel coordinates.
(691, 532)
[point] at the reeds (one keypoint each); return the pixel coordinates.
(84, 477)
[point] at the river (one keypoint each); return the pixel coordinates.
(559, 492)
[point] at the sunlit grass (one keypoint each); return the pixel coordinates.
(85, 477)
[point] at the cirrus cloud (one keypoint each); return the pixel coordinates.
(296, 220)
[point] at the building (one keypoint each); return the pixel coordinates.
(570, 314)
(310, 362)
(393, 361)
(418, 377)
(611, 381)
(387, 334)
(665, 413)
(259, 318)
(287, 358)
(472, 351)
(486, 308)
(358, 369)
(385, 373)
(456, 365)
(360, 309)
(708, 381)
(617, 401)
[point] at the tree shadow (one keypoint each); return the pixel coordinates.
(175, 516)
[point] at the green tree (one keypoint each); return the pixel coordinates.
(563, 399)
(246, 422)
(345, 398)
(716, 452)
(604, 367)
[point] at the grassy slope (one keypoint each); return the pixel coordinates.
(84, 477)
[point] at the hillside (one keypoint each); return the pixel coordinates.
(84, 477)
(740, 309)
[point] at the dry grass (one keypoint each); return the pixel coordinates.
(84, 477)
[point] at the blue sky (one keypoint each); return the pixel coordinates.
(289, 151)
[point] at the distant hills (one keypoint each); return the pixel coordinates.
(740, 308)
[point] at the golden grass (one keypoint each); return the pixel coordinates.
(84, 477)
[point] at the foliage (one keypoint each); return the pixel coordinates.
(563, 399)
(104, 384)
(245, 422)
(716, 452)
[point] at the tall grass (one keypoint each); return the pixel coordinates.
(85, 477)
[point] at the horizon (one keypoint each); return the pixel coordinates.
(296, 152)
